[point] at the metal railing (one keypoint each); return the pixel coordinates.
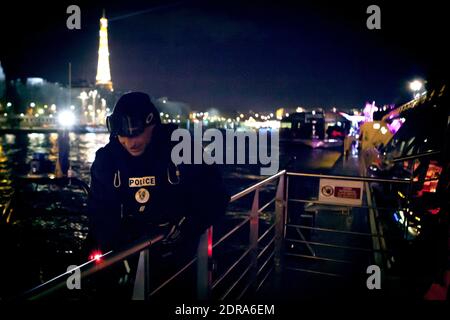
(89, 268)
(205, 283)
(416, 156)
(257, 270)
(378, 241)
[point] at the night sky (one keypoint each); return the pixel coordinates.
(233, 56)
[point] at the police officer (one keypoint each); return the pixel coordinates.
(137, 191)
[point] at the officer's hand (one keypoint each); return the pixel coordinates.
(174, 233)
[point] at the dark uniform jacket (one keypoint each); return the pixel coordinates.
(136, 197)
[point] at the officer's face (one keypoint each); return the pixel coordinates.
(136, 145)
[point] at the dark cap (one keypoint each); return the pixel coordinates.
(133, 112)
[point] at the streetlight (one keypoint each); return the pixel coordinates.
(415, 87)
(66, 118)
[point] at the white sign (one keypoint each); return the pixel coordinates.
(341, 191)
(142, 182)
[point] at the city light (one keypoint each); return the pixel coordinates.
(96, 256)
(415, 85)
(66, 118)
(83, 95)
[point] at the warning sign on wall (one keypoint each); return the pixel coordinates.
(341, 191)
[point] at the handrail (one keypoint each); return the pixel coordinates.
(354, 178)
(256, 186)
(60, 281)
(416, 156)
(229, 233)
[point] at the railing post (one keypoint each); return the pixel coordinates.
(280, 216)
(204, 265)
(253, 239)
(286, 199)
(408, 200)
(142, 281)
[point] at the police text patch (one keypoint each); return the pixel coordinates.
(142, 181)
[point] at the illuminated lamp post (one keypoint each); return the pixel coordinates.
(415, 87)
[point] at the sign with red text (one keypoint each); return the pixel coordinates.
(336, 191)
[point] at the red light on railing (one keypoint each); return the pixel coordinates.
(210, 242)
(96, 255)
(434, 211)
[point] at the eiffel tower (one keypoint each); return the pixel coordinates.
(103, 78)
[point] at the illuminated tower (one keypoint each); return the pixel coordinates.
(103, 78)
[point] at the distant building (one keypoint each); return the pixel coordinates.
(35, 81)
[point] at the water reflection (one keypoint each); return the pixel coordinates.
(16, 151)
